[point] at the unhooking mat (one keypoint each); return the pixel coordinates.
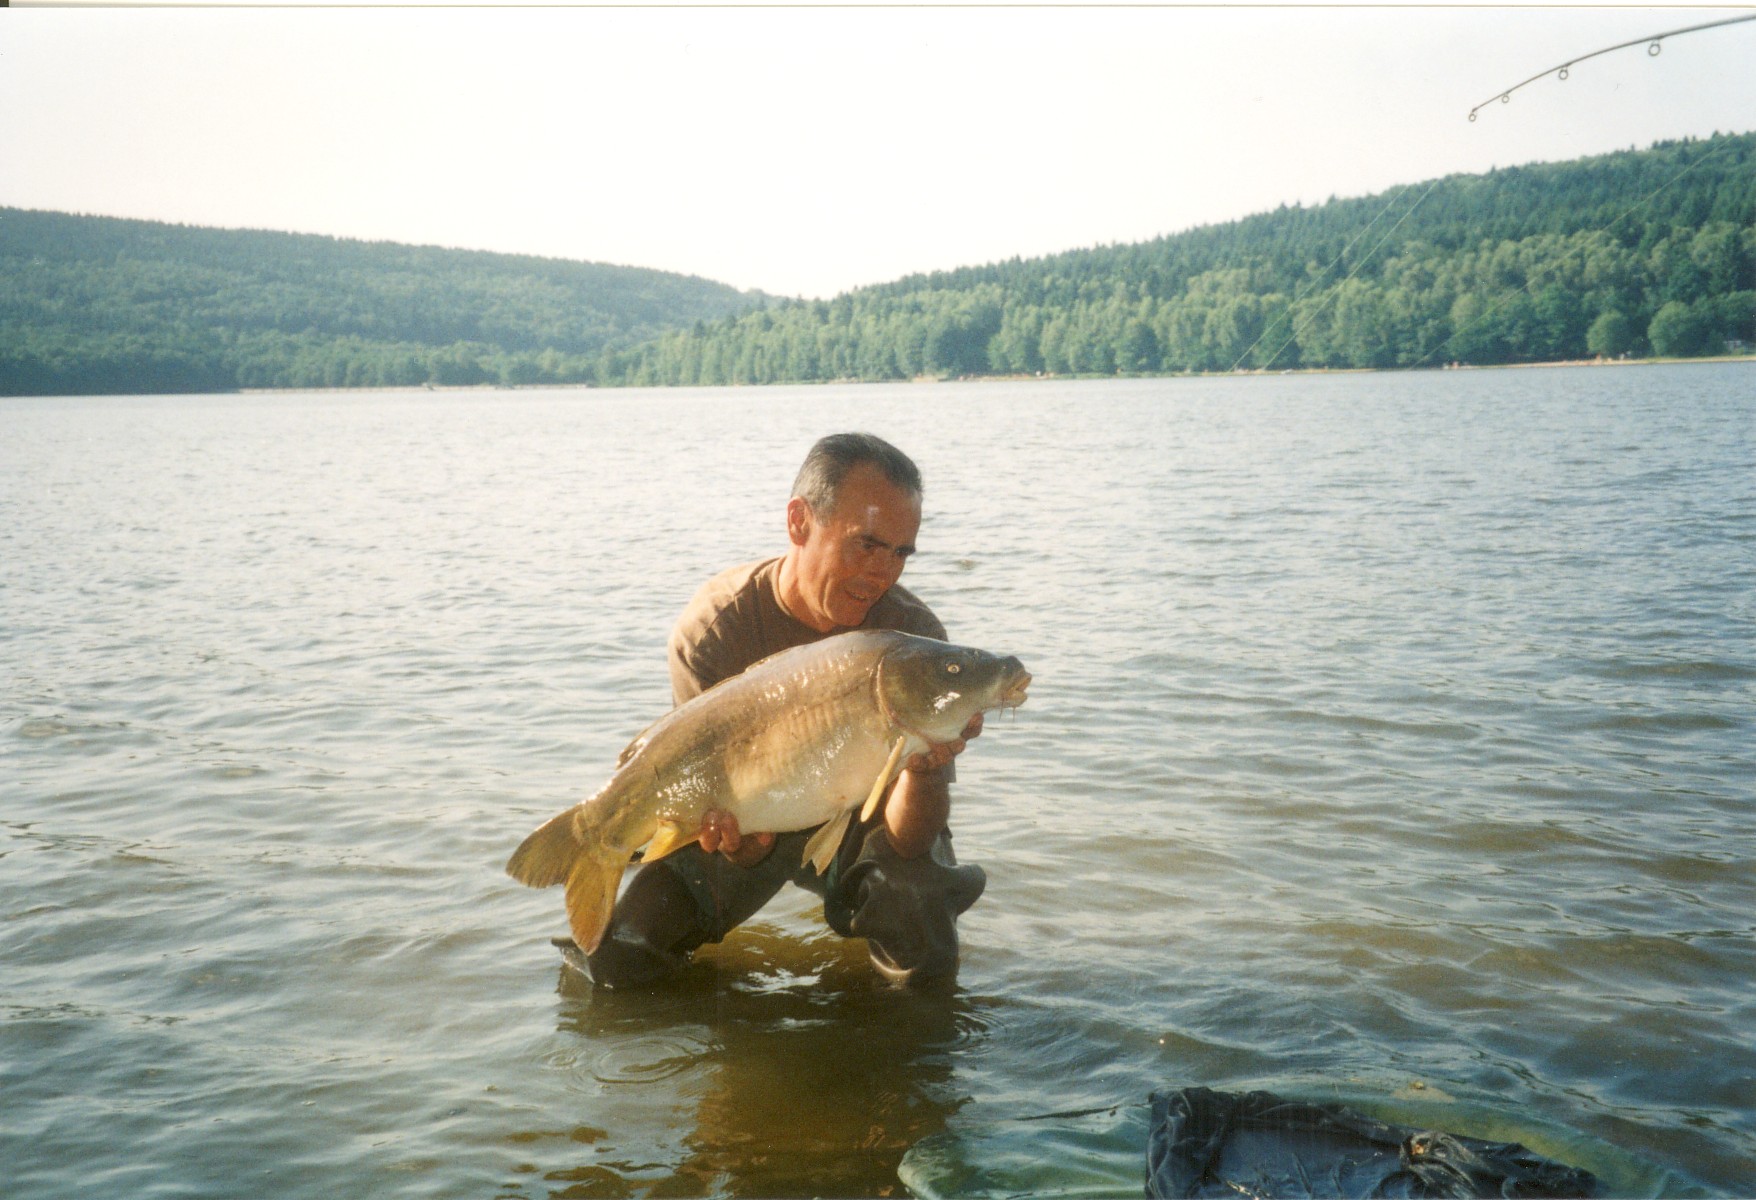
(1205, 1144)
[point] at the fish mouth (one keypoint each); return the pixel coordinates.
(1014, 692)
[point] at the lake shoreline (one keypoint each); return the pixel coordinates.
(979, 379)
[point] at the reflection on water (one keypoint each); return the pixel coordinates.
(1392, 736)
(793, 1069)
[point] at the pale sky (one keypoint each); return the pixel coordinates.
(807, 151)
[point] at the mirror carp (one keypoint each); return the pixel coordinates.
(806, 737)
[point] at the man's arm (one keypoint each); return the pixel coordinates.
(919, 806)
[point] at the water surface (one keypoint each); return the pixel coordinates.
(1391, 741)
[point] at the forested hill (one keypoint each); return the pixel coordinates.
(1635, 253)
(99, 304)
(1638, 252)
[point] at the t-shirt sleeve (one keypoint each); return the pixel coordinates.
(685, 683)
(697, 652)
(717, 637)
(696, 664)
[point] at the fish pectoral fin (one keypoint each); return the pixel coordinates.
(883, 780)
(670, 838)
(820, 850)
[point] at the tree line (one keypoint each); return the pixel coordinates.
(100, 304)
(1632, 254)
(1641, 252)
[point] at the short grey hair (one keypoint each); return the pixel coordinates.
(819, 480)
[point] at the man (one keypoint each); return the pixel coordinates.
(851, 526)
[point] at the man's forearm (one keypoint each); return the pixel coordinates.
(918, 808)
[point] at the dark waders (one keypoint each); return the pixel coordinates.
(906, 909)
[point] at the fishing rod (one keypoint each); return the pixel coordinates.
(1653, 45)
(1652, 41)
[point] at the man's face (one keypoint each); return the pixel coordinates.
(850, 558)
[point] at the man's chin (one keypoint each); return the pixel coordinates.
(851, 614)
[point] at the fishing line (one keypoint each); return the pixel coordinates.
(1103, 1111)
(1529, 283)
(1317, 281)
(1652, 42)
(1336, 291)
(1319, 276)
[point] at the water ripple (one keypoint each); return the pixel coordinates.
(1388, 730)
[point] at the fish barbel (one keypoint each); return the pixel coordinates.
(805, 737)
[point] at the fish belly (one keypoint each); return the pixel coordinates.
(800, 777)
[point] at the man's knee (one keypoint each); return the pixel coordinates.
(673, 907)
(907, 908)
(656, 926)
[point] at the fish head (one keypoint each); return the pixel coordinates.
(933, 688)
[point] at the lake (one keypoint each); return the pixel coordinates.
(1391, 742)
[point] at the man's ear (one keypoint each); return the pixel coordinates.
(798, 521)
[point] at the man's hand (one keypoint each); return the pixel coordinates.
(936, 756)
(719, 832)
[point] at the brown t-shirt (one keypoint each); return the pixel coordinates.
(736, 621)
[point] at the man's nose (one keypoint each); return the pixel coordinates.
(881, 565)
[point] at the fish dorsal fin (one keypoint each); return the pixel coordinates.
(632, 748)
(883, 780)
(820, 850)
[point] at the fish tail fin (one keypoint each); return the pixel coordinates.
(546, 857)
(591, 895)
(592, 871)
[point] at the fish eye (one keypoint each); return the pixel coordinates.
(953, 668)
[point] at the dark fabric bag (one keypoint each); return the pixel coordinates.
(1203, 1143)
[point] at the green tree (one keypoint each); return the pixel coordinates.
(1731, 317)
(1017, 347)
(1360, 333)
(1523, 263)
(1137, 348)
(1476, 336)
(1054, 346)
(1558, 321)
(1611, 335)
(1677, 331)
